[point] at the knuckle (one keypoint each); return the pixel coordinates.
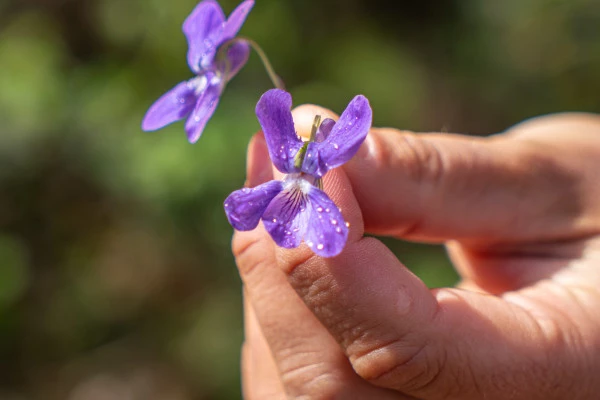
(249, 252)
(423, 161)
(399, 366)
(314, 380)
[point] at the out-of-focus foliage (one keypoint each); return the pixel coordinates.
(116, 278)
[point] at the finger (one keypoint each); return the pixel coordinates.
(435, 187)
(503, 269)
(260, 376)
(258, 165)
(309, 360)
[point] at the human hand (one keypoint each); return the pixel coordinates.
(520, 215)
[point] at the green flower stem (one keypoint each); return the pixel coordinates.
(315, 128)
(277, 81)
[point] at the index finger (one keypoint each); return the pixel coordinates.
(434, 187)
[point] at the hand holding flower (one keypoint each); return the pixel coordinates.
(519, 213)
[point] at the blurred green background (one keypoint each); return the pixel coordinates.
(116, 277)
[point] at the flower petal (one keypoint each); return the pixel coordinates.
(347, 134)
(205, 108)
(237, 55)
(312, 163)
(286, 217)
(245, 207)
(324, 129)
(203, 29)
(170, 107)
(327, 232)
(236, 19)
(274, 114)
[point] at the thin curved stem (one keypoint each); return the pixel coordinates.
(277, 81)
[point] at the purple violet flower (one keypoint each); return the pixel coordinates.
(206, 29)
(295, 208)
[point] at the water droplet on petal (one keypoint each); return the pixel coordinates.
(226, 205)
(310, 244)
(334, 222)
(320, 209)
(338, 229)
(327, 210)
(335, 146)
(320, 246)
(347, 224)
(274, 220)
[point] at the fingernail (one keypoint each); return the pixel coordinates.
(259, 168)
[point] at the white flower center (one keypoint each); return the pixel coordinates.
(201, 82)
(302, 182)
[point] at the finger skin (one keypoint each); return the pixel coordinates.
(260, 376)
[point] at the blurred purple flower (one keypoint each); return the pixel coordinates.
(206, 29)
(295, 209)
